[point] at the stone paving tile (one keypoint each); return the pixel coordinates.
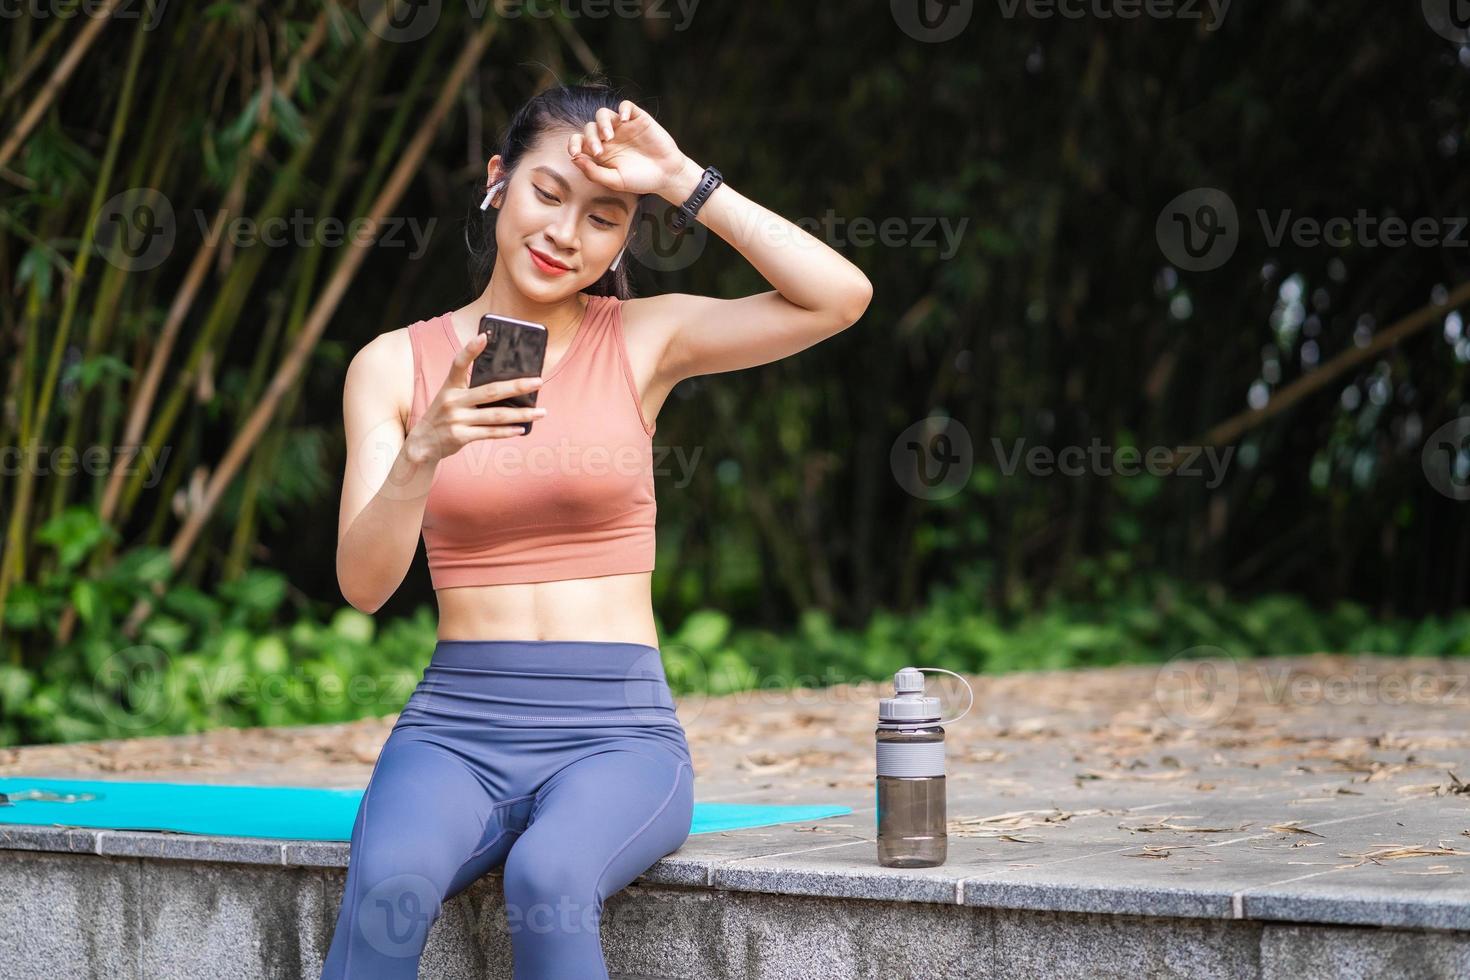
(840, 870)
(191, 847)
(1376, 895)
(35, 837)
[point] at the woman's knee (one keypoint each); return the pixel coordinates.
(550, 889)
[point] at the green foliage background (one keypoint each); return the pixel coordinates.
(1050, 145)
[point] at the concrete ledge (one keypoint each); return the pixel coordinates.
(739, 862)
(71, 915)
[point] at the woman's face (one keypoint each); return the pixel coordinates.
(557, 231)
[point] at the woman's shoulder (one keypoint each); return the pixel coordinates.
(383, 368)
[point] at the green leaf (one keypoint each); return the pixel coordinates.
(270, 656)
(288, 119)
(239, 130)
(84, 598)
(22, 607)
(140, 566)
(100, 366)
(193, 605)
(16, 685)
(259, 591)
(75, 532)
(35, 266)
(166, 632)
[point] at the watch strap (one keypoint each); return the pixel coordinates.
(711, 179)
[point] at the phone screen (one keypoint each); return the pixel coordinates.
(515, 349)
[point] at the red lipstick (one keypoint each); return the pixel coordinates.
(546, 263)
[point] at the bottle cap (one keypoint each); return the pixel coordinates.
(909, 703)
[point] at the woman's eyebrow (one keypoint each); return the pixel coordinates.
(609, 200)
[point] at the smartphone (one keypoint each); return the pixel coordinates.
(513, 349)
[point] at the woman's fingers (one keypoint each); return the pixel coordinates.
(605, 119)
(495, 391)
(502, 415)
(472, 433)
(459, 368)
(589, 135)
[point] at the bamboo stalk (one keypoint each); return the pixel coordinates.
(231, 295)
(56, 83)
(71, 296)
(322, 312)
(35, 55)
(183, 301)
(106, 305)
(264, 463)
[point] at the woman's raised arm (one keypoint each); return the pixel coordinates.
(818, 292)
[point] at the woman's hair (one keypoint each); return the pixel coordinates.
(557, 108)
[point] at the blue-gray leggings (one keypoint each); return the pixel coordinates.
(563, 760)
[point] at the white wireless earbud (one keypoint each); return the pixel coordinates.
(490, 192)
(614, 267)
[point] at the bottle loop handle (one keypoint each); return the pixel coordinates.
(950, 721)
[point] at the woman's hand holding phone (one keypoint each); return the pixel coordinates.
(451, 421)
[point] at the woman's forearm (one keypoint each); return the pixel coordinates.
(801, 267)
(379, 545)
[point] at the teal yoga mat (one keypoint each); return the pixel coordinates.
(288, 812)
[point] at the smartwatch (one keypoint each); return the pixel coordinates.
(711, 179)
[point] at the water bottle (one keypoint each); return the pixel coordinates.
(911, 787)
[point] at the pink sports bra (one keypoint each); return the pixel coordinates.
(574, 498)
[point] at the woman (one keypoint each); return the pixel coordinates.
(543, 733)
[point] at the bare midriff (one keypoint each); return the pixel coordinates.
(616, 608)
